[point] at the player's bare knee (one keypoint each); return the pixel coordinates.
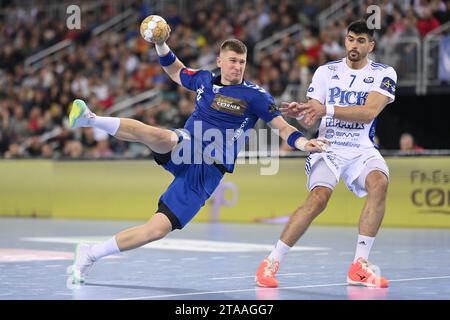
(153, 234)
(162, 140)
(162, 135)
(377, 182)
(159, 234)
(318, 199)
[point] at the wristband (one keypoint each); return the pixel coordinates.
(168, 59)
(293, 138)
(330, 111)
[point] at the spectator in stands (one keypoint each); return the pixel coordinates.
(398, 24)
(73, 149)
(102, 150)
(14, 151)
(407, 144)
(109, 69)
(331, 48)
(47, 151)
(427, 22)
(34, 148)
(172, 16)
(443, 15)
(389, 44)
(185, 109)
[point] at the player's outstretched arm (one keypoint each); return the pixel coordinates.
(293, 110)
(295, 138)
(375, 103)
(169, 62)
(156, 30)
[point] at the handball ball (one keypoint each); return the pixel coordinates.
(154, 29)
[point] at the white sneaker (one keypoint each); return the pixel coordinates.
(82, 264)
(80, 115)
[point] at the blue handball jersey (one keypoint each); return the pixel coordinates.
(223, 115)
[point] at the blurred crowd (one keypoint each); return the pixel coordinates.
(111, 68)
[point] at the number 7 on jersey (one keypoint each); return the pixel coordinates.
(353, 80)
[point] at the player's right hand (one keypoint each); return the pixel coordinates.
(317, 145)
(166, 37)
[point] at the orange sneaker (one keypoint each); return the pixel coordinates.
(265, 275)
(362, 273)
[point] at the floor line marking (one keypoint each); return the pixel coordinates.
(282, 288)
(252, 276)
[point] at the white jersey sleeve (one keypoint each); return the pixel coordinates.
(318, 87)
(385, 83)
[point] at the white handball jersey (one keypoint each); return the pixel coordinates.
(336, 84)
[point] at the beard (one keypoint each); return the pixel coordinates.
(354, 56)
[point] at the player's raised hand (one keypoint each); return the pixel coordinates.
(166, 35)
(155, 29)
(168, 32)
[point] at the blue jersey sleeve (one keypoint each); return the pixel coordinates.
(192, 79)
(264, 107)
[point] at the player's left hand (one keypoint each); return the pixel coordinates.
(291, 109)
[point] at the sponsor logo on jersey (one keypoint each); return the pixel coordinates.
(346, 144)
(347, 134)
(200, 92)
(310, 89)
(335, 77)
(332, 68)
(388, 84)
(329, 134)
(368, 80)
(347, 98)
(332, 122)
(229, 105)
(273, 108)
(239, 131)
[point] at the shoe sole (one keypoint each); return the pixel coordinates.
(259, 284)
(363, 284)
(78, 107)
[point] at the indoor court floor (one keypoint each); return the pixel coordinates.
(212, 261)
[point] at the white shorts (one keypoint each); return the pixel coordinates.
(325, 169)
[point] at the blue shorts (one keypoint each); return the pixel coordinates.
(188, 192)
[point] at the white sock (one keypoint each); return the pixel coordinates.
(280, 251)
(109, 124)
(103, 249)
(363, 247)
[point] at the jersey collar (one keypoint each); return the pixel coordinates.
(218, 82)
(356, 70)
